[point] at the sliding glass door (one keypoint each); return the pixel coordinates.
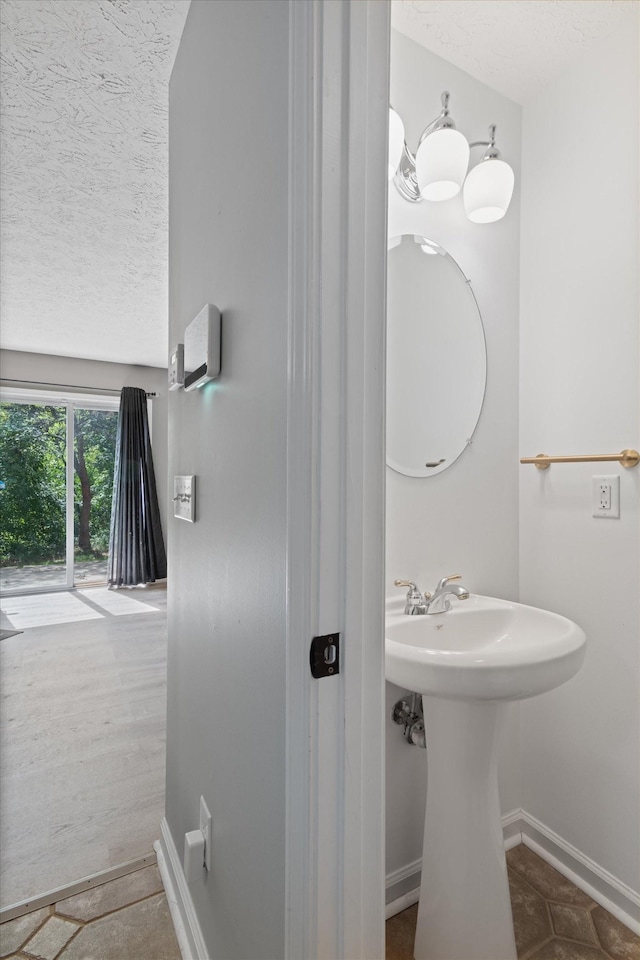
(94, 456)
(56, 481)
(33, 503)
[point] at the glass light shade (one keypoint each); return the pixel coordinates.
(396, 141)
(488, 190)
(441, 164)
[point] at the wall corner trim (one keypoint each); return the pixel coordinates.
(183, 913)
(518, 826)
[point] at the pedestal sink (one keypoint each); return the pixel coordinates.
(467, 663)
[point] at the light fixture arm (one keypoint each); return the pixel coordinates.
(406, 179)
(442, 122)
(492, 152)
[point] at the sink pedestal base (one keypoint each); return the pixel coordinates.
(465, 908)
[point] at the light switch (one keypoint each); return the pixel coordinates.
(193, 855)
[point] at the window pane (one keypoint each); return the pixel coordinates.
(33, 499)
(94, 455)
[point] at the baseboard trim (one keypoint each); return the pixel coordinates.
(403, 886)
(402, 903)
(402, 883)
(71, 889)
(615, 896)
(183, 914)
(512, 828)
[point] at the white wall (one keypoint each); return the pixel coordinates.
(465, 520)
(579, 394)
(228, 208)
(44, 368)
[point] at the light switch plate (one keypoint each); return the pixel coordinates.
(184, 498)
(176, 367)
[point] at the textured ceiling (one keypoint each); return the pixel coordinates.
(83, 216)
(514, 46)
(84, 176)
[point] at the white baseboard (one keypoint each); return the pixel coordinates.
(512, 828)
(615, 896)
(185, 922)
(401, 903)
(403, 886)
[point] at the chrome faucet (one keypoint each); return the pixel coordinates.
(418, 604)
(439, 601)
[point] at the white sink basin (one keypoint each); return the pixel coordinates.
(481, 649)
(467, 663)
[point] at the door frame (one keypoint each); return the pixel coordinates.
(71, 402)
(338, 109)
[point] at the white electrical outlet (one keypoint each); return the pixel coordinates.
(207, 832)
(605, 497)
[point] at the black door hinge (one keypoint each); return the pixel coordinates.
(325, 656)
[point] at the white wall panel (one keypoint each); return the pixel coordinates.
(228, 209)
(579, 395)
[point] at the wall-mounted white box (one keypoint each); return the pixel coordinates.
(184, 498)
(202, 348)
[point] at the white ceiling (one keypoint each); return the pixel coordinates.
(84, 176)
(514, 46)
(83, 218)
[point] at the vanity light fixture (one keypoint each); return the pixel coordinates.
(441, 166)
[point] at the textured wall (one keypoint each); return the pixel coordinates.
(579, 394)
(84, 176)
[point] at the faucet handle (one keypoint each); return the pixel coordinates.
(450, 579)
(414, 590)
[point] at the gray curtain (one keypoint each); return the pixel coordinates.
(136, 545)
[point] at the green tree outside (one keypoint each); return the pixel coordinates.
(32, 467)
(94, 456)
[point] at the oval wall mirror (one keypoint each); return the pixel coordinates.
(436, 358)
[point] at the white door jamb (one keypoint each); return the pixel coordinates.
(337, 227)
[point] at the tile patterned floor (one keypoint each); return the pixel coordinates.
(124, 919)
(128, 919)
(553, 919)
